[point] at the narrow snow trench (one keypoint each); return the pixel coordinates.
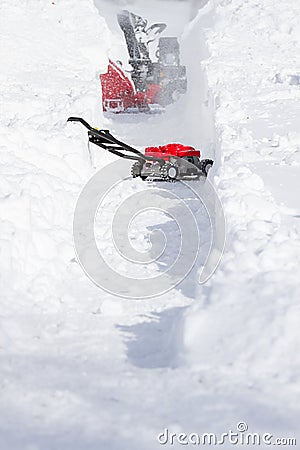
(189, 121)
(139, 375)
(147, 329)
(83, 369)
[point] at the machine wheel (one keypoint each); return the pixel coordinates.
(169, 172)
(136, 170)
(205, 165)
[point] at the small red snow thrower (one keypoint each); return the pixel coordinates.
(151, 85)
(169, 162)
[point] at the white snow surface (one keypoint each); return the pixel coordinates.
(244, 327)
(80, 368)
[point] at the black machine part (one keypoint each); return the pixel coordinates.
(137, 36)
(168, 51)
(108, 142)
(166, 71)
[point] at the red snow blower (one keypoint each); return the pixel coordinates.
(169, 162)
(150, 85)
(119, 94)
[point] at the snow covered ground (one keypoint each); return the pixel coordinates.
(83, 369)
(245, 325)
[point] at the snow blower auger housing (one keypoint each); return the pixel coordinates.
(169, 162)
(151, 85)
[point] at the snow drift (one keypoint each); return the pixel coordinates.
(50, 71)
(244, 324)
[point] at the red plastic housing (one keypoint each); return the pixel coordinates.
(178, 150)
(118, 92)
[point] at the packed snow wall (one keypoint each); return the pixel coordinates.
(243, 325)
(50, 72)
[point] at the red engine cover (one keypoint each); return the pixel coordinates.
(178, 150)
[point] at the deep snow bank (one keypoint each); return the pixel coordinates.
(52, 52)
(246, 319)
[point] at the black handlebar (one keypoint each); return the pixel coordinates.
(79, 119)
(108, 142)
